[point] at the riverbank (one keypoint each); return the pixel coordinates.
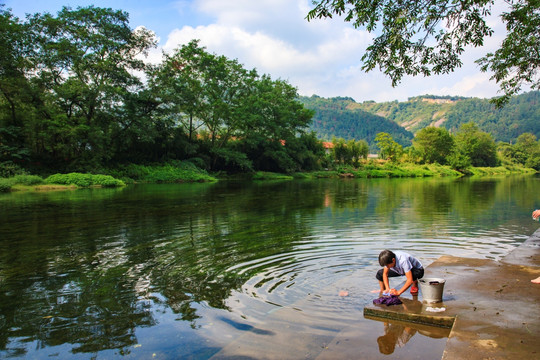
(178, 172)
(185, 172)
(491, 306)
(384, 169)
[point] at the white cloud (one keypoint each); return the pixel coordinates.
(319, 57)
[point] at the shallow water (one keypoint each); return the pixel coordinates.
(234, 268)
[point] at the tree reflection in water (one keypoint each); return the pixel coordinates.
(89, 271)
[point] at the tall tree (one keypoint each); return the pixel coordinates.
(477, 145)
(178, 83)
(274, 120)
(429, 37)
(434, 144)
(86, 59)
(15, 90)
(390, 149)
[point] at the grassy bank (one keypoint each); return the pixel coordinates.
(180, 172)
(57, 182)
(389, 170)
(168, 173)
(174, 172)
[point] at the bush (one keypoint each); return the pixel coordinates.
(27, 180)
(5, 185)
(106, 181)
(78, 179)
(263, 175)
(9, 169)
(84, 180)
(172, 174)
(175, 171)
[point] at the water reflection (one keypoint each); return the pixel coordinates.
(98, 270)
(396, 335)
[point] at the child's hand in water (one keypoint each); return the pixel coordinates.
(393, 292)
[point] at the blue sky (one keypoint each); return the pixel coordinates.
(321, 57)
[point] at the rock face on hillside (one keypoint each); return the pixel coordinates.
(439, 101)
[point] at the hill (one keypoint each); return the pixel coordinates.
(344, 117)
(339, 117)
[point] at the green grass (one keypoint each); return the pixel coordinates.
(500, 170)
(5, 185)
(174, 172)
(263, 175)
(29, 182)
(171, 174)
(84, 180)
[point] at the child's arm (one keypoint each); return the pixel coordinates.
(408, 283)
(385, 279)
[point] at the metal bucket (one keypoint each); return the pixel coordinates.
(431, 289)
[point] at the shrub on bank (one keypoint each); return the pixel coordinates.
(28, 180)
(106, 181)
(5, 185)
(10, 169)
(500, 170)
(173, 172)
(84, 180)
(264, 175)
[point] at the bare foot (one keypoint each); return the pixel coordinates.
(343, 293)
(375, 291)
(536, 281)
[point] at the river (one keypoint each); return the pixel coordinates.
(252, 269)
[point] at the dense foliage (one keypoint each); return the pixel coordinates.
(349, 152)
(520, 115)
(72, 99)
(429, 37)
(433, 145)
(72, 103)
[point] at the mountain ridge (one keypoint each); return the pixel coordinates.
(346, 118)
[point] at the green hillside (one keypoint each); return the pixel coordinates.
(521, 114)
(344, 117)
(339, 117)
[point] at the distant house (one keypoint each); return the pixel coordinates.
(328, 146)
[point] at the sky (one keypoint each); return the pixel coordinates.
(319, 57)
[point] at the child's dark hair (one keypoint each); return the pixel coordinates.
(386, 257)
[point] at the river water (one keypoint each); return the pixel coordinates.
(236, 269)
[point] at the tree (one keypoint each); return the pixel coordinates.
(363, 148)
(525, 151)
(178, 83)
(15, 90)
(526, 143)
(434, 144)
(429, 37)
(307, 151)
(390, 149)
(84, 67)
(273, 120)
(340, 150)
(517, 61)
(476, 145)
